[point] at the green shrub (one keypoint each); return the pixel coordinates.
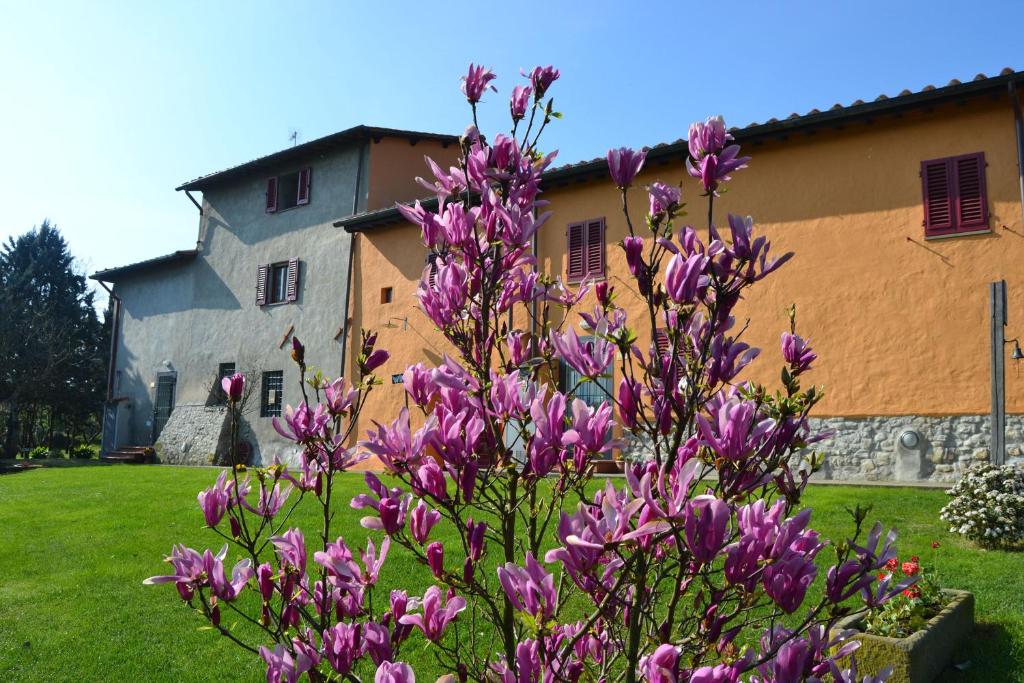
(82, 452)
(39, 452)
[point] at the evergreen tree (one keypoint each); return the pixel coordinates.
(51, 338)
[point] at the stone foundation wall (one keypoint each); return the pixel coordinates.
(194, 435)
(869, 447)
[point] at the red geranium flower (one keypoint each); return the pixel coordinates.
(911, 568)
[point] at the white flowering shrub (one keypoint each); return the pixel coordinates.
(988, 505)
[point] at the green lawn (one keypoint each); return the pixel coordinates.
(77, 543)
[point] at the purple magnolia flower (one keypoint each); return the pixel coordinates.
(542, 77)
(545, 447)
(435, 617)
(291, 548)
(430, 480)
(340, 396)
(214, 500)
(734, 430)
(706, 524)
(663, 198)
(304, 425)
(395, 445)
(710, 160)
(391, 506)
(791, 662)
(708, 137)
(421, 520)
(435, 558)
(590, 358)
(628, 398)
(233, 387)
(394, 672)
(530, 589)
(374, 361)
(377, 641)
(787, 579)
(374, 561)
(589, 429)
(271, 500)
(342, 646)
(685, 280)
(337, 559)
(520, 101)
(797, 352)
(283, 666)
(623, 164)
(662, 665)
(298, 351)
(475, 536)
(188, 571)
(476, 81)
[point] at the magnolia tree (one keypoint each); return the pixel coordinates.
(695, 567)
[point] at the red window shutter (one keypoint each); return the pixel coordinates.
(661, 342)
(271, 195)
(432, 273)
(262, 275)
(292, 292)
(576, 239)
(971, 202)
(305, 177)
(595, 248)
(937, 184)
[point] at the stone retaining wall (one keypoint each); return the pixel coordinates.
(194, 435)
(869, 447)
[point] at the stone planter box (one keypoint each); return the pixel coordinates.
(921, 656)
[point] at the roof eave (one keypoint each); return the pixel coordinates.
(114, 274)
(332, 141)
(834, 118)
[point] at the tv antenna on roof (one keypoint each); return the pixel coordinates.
(294, 136)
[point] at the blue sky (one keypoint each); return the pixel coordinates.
(106, 107)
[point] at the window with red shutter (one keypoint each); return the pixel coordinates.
(576, 268)
(262, 275)
(271, 205)
(971, 202)
(292, 289)
(432, 265)
(954, 192)
(595, 248)
(585, 250)
(305, 179)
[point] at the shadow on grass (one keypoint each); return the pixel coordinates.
(10, 466)
(987, 656)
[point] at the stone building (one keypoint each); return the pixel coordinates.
(267, 264)
(901, 211)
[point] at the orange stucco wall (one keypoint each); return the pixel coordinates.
(900, 322)
(394, 164)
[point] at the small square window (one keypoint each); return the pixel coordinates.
(223, 370)
(271, 398)
(386, 295)
(278, 283)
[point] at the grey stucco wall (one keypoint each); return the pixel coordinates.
(191, 317)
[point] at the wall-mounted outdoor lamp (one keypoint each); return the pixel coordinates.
(910, 439)
(1017, 354)
(404, 321)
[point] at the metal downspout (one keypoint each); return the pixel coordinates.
(351, 258)
(115, 332)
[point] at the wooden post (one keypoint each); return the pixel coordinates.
(997, 299)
